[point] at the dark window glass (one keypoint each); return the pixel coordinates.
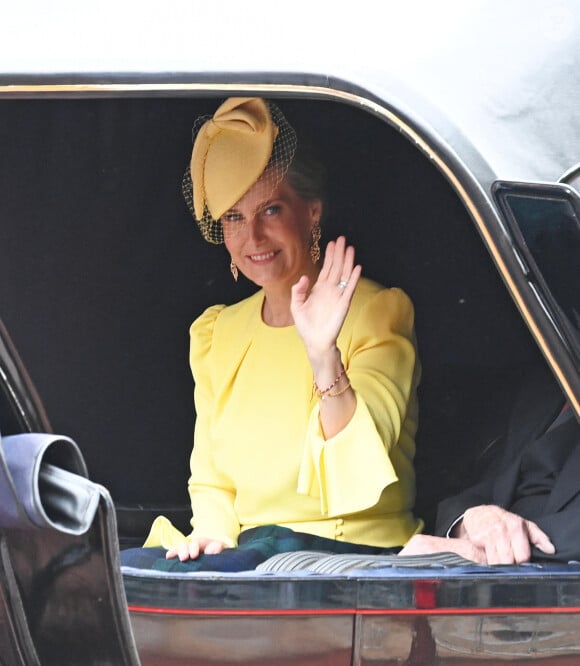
(550, 231)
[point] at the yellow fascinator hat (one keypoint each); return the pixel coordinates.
(231, 151)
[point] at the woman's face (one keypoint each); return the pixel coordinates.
(268, 234)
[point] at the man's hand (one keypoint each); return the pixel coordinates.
(505, 537)
(193, 547)
(424, 544)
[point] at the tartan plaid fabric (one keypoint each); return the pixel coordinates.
(255, 546)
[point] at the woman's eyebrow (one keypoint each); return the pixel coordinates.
(232, 210)
(266, 203)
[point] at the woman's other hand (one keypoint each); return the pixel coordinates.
(319, 313)
(193, 547)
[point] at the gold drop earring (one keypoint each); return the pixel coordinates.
(315, 247)
(234, 270)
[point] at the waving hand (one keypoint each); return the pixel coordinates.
(320, 312)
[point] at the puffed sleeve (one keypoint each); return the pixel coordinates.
(349, 471)
(211, 492)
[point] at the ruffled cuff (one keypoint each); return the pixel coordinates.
(349, 471)
(163, 533)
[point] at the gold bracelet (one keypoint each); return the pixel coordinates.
(328, 394)
(321, 392)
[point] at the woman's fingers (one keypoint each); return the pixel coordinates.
(327, 263)
(319, 310)
(300, 291)
(347, 264)
(213, 548)
(335, 274)
(338, 262)
(337, 259)
(191, 549)
(184, 551)
(352, 281)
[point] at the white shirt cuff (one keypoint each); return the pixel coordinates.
(453, 524)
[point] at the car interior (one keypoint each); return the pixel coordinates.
(102, 270)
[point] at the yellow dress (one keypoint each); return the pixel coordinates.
(259, 455)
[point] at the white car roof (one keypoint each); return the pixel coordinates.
(496, 81)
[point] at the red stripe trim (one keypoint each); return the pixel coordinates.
(520, 610)
(198, 611)
(360, 611)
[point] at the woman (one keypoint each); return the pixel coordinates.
(305, 392)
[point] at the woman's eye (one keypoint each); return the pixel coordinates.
(274, 209)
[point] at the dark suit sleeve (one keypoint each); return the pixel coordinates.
(492, 489)
(539, 402)
(562, 526)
